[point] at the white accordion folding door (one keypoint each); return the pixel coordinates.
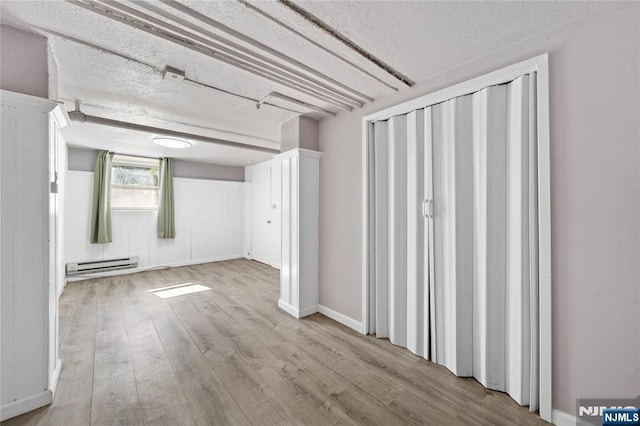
(454, 235)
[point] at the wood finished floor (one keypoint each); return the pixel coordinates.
(230, 356)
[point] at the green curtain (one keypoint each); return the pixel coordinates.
(101, 213)
(166, 219)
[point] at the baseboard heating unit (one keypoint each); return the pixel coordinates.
(82, 268)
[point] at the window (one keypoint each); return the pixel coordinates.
(134, 183)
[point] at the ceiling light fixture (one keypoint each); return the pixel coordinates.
(172, 142)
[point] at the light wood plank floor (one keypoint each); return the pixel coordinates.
(230, 356)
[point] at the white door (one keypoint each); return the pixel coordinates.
(261, 220)
(54, 254)
(276, 215)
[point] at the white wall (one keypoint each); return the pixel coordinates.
(595, 191)
(209, 225)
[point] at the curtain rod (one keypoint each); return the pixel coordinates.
(136, 155)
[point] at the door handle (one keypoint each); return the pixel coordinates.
(427, 208)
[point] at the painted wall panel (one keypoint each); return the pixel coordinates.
(26, 284)
(209, 225)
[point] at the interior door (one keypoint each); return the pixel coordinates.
(261, 220)
(54, 254)
(276, 216)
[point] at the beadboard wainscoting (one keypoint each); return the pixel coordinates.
(209, 225)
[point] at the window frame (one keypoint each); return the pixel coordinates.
(137, 161)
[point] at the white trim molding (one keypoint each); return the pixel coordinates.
(342, 319)
(560, 418)
(540, 65)
(21, 406)
(60, 116)
(295, 312)
(55, 378)
(33, 102)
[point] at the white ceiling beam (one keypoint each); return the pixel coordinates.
(151, 25)
(240, 36)
(319, 23)
(314, 43)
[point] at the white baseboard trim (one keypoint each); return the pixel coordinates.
(308, 311)
(21, 406)
(342, 318)
(288, 308)
(55, 378)
(147, 268)
(560, 418)
(199, 262)
(273, 265)
(295, 312)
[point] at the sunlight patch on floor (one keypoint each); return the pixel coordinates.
(178, 290)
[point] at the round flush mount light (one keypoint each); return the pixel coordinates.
(172, 142)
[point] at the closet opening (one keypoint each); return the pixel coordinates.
(456, 230)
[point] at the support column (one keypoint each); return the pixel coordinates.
(300, 217)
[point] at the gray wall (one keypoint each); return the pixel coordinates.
(194, 170)
(23, 62)
(84, 160)
(595, 191)
(299, 132)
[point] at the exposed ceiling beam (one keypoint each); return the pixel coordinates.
(310, 17)
(236, 50)
(313, 42)
(292, 100)
(253, 42)
(196, 43)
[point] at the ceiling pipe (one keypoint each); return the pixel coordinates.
(78, 116)
(240, 36)
(313, 42)
(309, 17)
(293, 100)
(44, 32)
(201, 45)
(217, 89)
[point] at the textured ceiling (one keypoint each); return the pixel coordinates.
(121, 79)
(424, 38)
